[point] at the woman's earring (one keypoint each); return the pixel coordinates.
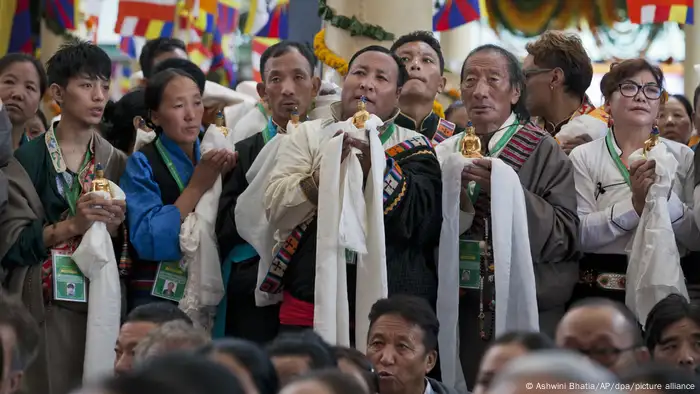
(610, 122)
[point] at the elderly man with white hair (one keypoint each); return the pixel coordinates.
(554, 371)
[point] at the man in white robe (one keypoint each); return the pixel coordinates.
(411, 202)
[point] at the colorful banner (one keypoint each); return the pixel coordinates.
(259, 45)
(455, 13)
(660, 11)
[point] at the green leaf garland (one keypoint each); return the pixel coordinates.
(352, 25)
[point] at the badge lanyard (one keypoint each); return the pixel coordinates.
(616, 158)
(169, 163)
(72, 191)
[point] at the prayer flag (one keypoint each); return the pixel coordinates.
(455, 13)
(659, 11)
(259, 45)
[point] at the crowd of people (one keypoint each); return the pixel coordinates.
(501, 273)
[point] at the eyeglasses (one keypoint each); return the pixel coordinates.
(606, 356)
(535, 71)
(651, 91)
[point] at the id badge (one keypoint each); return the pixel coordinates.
(469, 264)
(68, 280)
(170, 281)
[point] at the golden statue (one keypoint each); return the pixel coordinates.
(100, 183)
(471, 144)
(361, 116)
(652, 141)
(220, 123)
(295, 116)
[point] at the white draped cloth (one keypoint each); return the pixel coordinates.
(581, 125)
(96, 260)
(200, 254)
(251, 220)
(654, 268)
(516, 306)
(143, 138)
(351, 219)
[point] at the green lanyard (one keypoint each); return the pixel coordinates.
(474, 191)
(169, 163)
(616, 158)
(72, 191)
(384, 137)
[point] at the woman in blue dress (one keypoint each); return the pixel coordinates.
(164, 181)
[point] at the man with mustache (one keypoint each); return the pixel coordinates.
(420, 52)
(289, 87)
(412, 195)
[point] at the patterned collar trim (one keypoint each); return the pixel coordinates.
(59, 164)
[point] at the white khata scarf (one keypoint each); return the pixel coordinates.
(351, 219)
(200, 254)
(516, 298)
(654, 268)
(96, 260)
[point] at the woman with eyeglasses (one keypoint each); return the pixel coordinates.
(611, 193)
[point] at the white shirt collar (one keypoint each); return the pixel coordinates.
(428, 388)
(501, 131)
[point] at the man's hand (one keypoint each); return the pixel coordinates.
(568, 146)
(642, 176)
(479, 172)
(209, 116)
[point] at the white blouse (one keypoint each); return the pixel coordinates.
(608, 219)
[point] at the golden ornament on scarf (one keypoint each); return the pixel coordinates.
(471, 144)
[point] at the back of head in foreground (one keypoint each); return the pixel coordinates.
(551, 369)
(331, 381)
(170, 337)
(176, 373)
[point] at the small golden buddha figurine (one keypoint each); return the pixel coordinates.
(295, 116)
(220, 123)
(100, 183)
(361, 116)
(652, 141)
(471, 144)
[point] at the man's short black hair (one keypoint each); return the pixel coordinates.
(283, 48)
(665, 313)
(78, 59)
(158, 313)
(414, 310)
(13, 314)
(402, 75)
(306, 343)
(421, 36)
(631, 320)
(186, 66)
(155, 47)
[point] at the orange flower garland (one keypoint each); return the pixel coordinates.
(326, 56)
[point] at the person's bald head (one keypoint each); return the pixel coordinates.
(604, 330)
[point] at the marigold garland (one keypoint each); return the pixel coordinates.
(326, 56)
(330, 59)
(438, 110)
(454, 94)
